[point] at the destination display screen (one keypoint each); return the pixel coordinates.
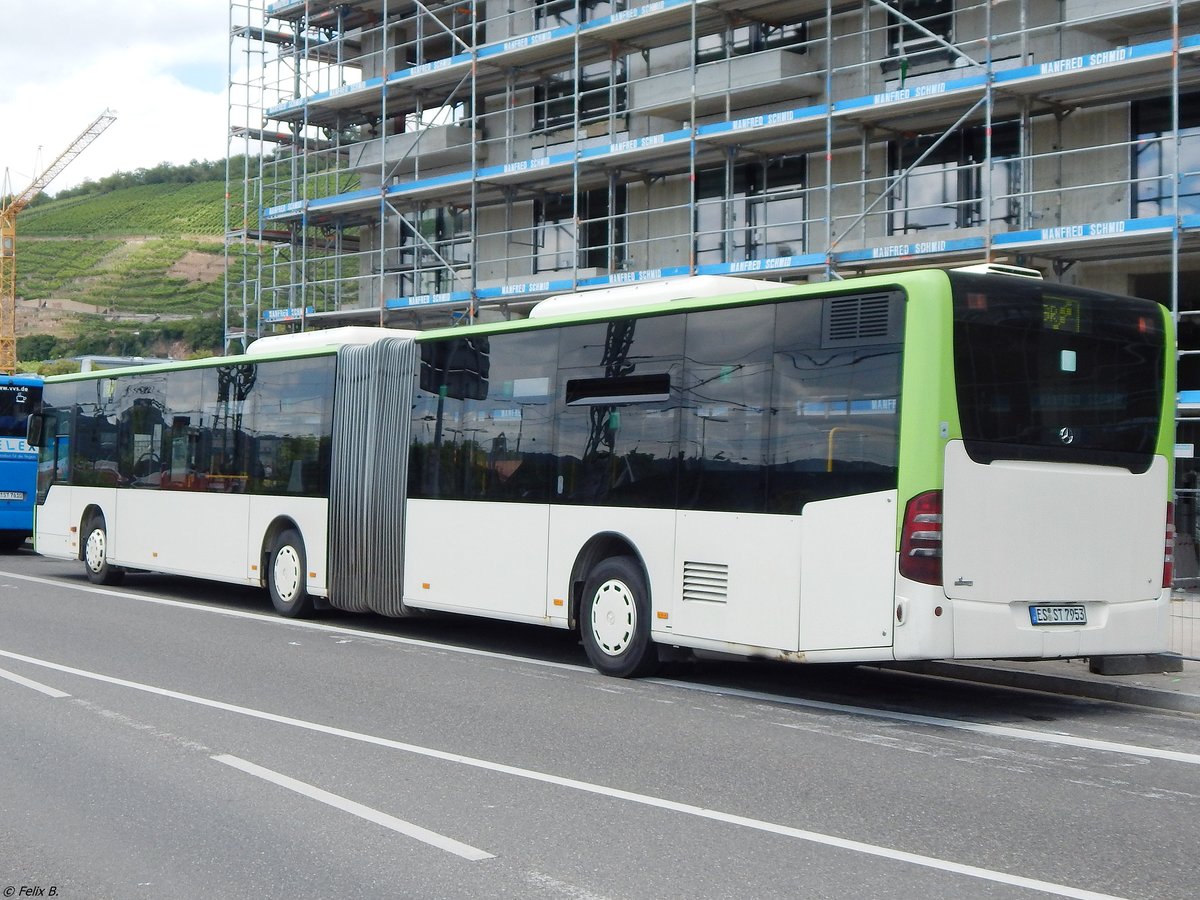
(1062, 314)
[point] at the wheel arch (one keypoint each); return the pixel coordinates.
(601, 546)
(91, 511)
(278, 526)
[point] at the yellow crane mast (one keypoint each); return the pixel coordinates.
(8, 237)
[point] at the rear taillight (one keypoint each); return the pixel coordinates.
(1169, 548)
(921, 539)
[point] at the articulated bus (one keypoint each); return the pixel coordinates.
(19, 396)
(930, 464)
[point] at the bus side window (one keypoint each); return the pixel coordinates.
(141, 431)
(835, 404)
(618, 412)
(287, 432)
(726, 398)
(185, 462)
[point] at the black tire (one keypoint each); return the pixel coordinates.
(287, 571)
(614, 619)
(10, 543)
(95, 554)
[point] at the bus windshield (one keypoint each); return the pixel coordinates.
(1052, 373)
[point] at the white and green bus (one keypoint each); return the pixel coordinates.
(930, 464)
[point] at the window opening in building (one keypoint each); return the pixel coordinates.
(596, 239)
(909, 45)
(761, 219)
(1154, 152)
(599, 89)
(946, 190)
(428, 264)
(752, 38)
(553, 13)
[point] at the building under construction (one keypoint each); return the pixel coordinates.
(409, 162)
(414, 163)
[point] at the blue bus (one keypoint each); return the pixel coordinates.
(19, 396)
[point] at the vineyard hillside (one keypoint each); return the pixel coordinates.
(137, 270)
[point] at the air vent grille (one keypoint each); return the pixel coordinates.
(860, 320)
(705, 582)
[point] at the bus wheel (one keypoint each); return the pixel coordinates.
(95, 555)
(286, 576)
(10, 542)
(615, 620)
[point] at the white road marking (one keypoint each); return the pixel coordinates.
(36, 685)
(466, 851)
(1021, 734)
(272, 619)
(1006, 731)
(813, 837)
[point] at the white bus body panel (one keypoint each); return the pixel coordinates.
(820, 581)
(487, 559)
(203, 535)
(311, 515)
(848, 576)
(58, 522)
(756, 558)
(1017, 533)
(650, 531)
(181, 532)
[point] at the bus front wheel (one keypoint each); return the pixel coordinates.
(615, 619)
(286, 572)
(95, 555)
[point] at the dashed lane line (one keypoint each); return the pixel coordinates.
(458, 848)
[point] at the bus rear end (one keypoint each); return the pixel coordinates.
(19, 395)
(1052, 534)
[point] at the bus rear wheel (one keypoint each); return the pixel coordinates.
(615, 619)
(95, 554)
(286, 576)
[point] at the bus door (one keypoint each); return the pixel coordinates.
(50, 431)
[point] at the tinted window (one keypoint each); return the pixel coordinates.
(835, 401)
(623, 346)
(1053, 373)
(754, 418)
(96, 433)
(246, 427)
(481, 425)
(140, 403)
(725, 399)
(619, 447)
(291, 420)
(54, 452)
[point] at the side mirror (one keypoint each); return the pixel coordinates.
(35, 429)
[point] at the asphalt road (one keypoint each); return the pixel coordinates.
(174, 738)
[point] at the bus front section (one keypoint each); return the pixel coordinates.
(1051, 533)
(19, 395)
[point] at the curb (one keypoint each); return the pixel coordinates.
(1114, 692)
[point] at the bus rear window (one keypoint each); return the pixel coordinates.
(17, 401)
(1047, 372)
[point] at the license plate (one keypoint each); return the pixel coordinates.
(1058, 615)
(12, 495)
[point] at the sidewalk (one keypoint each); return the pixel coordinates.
(1178, 691)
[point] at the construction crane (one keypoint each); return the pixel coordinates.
(8, 237)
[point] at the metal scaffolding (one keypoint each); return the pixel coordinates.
(414, 163)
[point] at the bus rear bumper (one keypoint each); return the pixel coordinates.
(990, 630)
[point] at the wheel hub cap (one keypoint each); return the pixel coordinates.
(614, 617)
(287, 573)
